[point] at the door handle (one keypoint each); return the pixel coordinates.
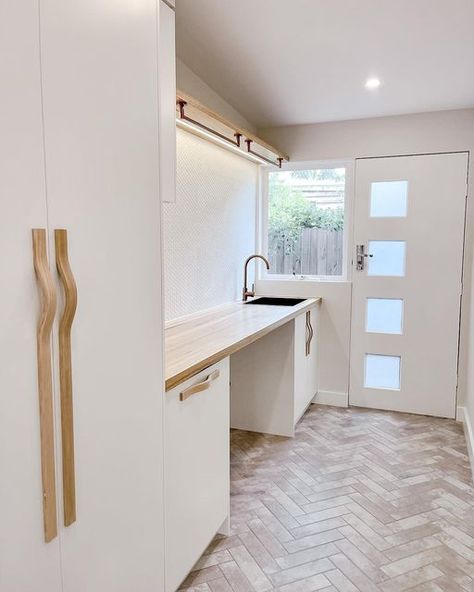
(65, 374)
(361, 255)
(47, 294)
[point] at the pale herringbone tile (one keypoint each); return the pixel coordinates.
(358, 501)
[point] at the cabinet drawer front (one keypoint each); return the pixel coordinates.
(196, 468)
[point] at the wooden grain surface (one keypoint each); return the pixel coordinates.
(196, 342)
(65, 374)
(47, 294)
(191, 101)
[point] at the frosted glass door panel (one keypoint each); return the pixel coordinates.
(387, 258)
(382, 372)
(388, 199)
(384, 315)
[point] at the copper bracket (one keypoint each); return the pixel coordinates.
(182, 115)
(278, 162)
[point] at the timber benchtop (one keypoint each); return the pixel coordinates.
(195, 342)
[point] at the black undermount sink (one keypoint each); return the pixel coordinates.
(276, 301)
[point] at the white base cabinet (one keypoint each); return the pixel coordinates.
(197, 481)
(306, 360)
(274, 379)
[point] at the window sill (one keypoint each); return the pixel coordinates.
(306, 279)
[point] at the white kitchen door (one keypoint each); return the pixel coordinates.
(407, 282)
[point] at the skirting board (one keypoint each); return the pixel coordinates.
(332, 398)
(463, 416)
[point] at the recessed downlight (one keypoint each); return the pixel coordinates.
(372, 83)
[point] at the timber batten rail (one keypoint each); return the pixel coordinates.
(183, 101)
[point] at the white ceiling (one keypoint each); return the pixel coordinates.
(282, 62)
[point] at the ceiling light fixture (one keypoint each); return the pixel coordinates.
(372, 83)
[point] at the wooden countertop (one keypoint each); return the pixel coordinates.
(196, 342)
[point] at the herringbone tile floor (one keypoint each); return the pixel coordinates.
(359, 500)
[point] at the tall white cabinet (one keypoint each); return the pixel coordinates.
(79, 150)
(26, 562)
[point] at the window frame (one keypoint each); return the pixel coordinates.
(262, 217)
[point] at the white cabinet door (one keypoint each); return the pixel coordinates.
(101, 126)
(27, 563)
(306, 362)
(167, 101)
(196, 469)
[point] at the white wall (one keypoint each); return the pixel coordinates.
(468, 400)
(210, 230)
(191, 84)
(444, 131)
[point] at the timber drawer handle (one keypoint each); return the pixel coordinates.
(65, 374)
(47, 295)
(200, 386)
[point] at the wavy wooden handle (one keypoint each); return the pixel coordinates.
(200, 386)
(65, 375)
(309, 328)
(45, 381)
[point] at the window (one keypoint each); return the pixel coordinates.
(382, 372)
(387, 258)
(388, 199)
(304, 211)
(384, 315)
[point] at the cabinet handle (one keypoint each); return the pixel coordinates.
(47, 295)
(65, 375)
(309, 327)
(200, 386)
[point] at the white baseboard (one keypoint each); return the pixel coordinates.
(332, 398)
(462, 415)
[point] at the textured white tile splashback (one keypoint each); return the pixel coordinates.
(210, 230)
